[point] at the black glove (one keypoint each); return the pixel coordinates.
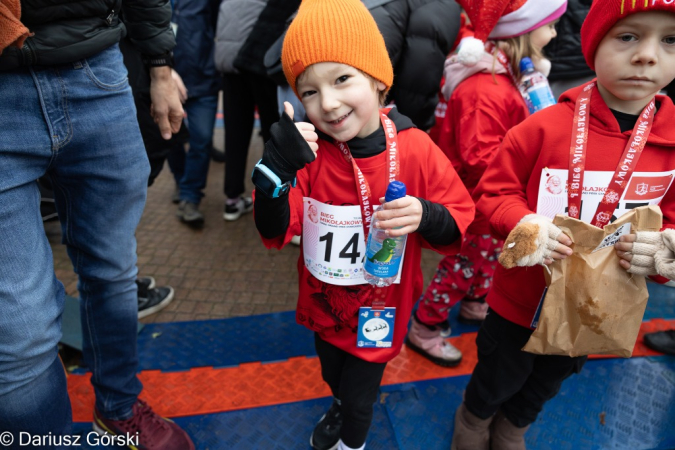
(287, 151)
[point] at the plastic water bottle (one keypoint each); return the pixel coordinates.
(535, 87)
(384, 253)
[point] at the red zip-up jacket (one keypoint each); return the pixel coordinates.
(479, 112)
(540, 147)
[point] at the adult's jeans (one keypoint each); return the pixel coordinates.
(201, 118)
(76, 123)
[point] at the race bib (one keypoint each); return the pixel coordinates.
(644, 188)
(333, 243)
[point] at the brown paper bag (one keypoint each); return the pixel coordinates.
(593, 306)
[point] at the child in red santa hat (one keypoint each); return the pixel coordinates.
(484, 102)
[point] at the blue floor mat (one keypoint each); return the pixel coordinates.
(611, 404)
(634, 398)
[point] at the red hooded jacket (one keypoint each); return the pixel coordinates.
(481, 109)
(532, 164)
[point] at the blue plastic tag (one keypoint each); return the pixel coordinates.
(537, 313)
(376, 327)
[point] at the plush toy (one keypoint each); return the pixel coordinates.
(530, 242)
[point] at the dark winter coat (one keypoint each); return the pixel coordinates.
(69, 30)
(195, 44)
(564, 51)
(270, 26)
(419, 34)
(236, 19)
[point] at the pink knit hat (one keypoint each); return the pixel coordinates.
(501, 19)
(605, 13)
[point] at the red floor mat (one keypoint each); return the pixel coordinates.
(206, 390)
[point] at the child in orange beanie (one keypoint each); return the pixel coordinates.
(606, 147)
(322, 180)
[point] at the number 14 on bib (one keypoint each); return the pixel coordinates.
(333, 243)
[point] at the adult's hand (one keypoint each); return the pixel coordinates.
(182, 90)
(166, 108)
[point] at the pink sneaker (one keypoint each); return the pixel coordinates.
(145, 430)
(428, 342)
(472, 311)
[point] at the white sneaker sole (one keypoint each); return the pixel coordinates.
(231, 217)
(159, 306)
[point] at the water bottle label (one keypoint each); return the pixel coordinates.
(376, 327)
(383, 259)
(333, 244)
(541, 97)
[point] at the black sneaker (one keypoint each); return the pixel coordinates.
(189, 213)
(234, 211)
(326, 434)
(154, 300)
(661, 341)
(144, 283)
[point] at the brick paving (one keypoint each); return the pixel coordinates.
(220, 271)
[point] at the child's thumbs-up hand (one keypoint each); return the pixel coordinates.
(306, 129)
(291, 146)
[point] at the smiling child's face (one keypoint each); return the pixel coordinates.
(340, 100)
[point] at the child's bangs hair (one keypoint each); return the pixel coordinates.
(516, 49)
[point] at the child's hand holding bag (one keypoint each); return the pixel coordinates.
(648, 253)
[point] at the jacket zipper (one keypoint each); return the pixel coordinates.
(110, 18)
(28, 54)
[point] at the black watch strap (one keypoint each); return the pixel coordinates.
(165, 59)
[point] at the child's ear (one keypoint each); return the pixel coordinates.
(381, 86)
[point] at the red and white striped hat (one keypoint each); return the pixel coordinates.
(502, 19)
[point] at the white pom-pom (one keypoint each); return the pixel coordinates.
(471, 51)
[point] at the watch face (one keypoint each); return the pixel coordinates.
(262, 182)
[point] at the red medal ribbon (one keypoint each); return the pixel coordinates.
(624, 169)
(362, 186)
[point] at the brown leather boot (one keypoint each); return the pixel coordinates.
(505, 435)
(471, 432)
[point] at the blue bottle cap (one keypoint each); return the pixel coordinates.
(526, 64)
(395, 190)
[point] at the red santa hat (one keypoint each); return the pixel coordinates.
(605, 13)
(502, 19)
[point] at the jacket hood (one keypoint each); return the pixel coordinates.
(602, 119)
(456, 72)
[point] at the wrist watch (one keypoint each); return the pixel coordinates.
(269, 183)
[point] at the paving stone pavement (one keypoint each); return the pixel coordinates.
(220, 271)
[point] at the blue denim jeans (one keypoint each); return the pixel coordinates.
(201, 118)
(76, 123)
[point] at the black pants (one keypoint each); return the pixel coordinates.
(356, 383)
(507, 378)
(241, 94)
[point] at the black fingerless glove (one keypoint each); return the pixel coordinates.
(287, 151)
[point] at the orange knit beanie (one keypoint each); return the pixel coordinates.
(341, 31)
